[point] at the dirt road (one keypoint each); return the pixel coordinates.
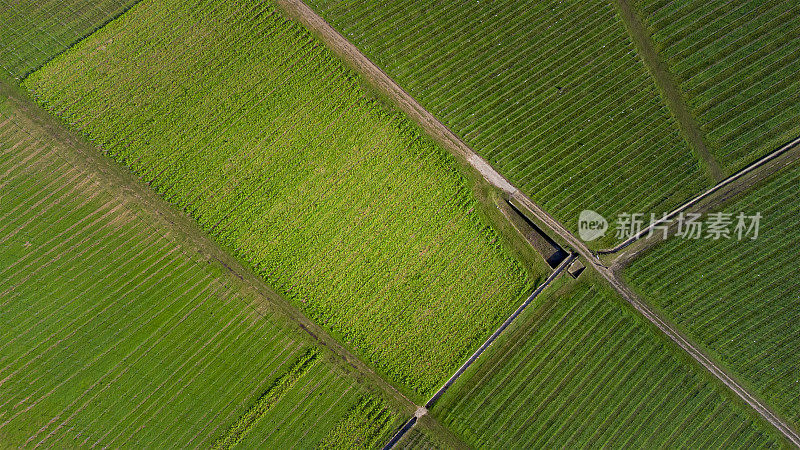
(380, 80)
(755, 172)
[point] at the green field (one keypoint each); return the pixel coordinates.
(552, 94)
(36, 30)
(417, 438)
(583, 370)
(341, 205)
(114, 333)
(737, 65)
(739, 298)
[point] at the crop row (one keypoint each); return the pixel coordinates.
(233, 435)
(292, 423)
(552, 94)
(737, 65)
(110, 333)
(739, 298)
(273, 147)
(36, 30)
(584, 370)
(417, 439)
(369, 420)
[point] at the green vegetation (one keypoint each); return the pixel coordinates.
(342, 206)
(737, 65)
(34, 31)
(418, 438)
(739, 298)
(551, 93)
(114, 333)
(583, 369)
(244, 424)
(366, 423)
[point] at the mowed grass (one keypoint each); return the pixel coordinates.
(114, 334)
(737, 65)
(739, 298)
(551, 93)
(243, 119)
(36, 30)
(583, 370)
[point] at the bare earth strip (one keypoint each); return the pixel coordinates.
(342, 47)
(669, 90)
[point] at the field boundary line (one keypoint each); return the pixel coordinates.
(474, 357)
(84, 156)
(78, 40)
(730, 180)
(669, 90)
(298, 10)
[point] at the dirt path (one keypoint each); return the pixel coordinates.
(299, 11)
(436, 396)
(380, 80)
(669, 89)
(717, 195)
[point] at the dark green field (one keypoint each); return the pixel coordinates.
(582, 370)
(739, 298)
(34, 31)
(737, 66)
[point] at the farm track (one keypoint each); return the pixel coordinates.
(350, 53)
(669, 90)
(739, 182)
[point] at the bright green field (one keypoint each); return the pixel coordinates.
(36, 30)
(737, 65)
(551, 93)
(582, 370)
(739, 298)
(112, 333)
(248, 123)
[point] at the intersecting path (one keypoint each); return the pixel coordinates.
(423, 410)
(380, 80)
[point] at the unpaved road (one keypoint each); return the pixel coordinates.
(342, 47)
(757, 171)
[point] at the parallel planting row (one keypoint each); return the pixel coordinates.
(552, 93)
(584, 370)
(740, 298)
(113, 334)
(36, 30)
(737, 65)
(243, 119)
